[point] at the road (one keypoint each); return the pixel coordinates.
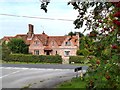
(35, 75)
(47, 66)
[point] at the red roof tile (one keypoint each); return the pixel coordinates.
(45, 39)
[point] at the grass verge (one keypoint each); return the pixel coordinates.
(1, 61)
(4, 62)
(74, 83)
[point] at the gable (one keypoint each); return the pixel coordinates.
(36, 42)
(52, 43)
(68, 42)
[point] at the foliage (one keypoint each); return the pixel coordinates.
(33, 58)
(106, 50)
(74, 83)
(74, 33)
(78, 59)
(44, 5)
(18, 46)
(86, 46)
(105, 45)
(5, 51)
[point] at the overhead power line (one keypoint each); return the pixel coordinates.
(35, 17)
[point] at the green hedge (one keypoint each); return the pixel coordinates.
(78, 59)
(33, 58)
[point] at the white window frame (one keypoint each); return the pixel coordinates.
(36, 52)
(36, 42)
(68, 43)
(66, 53)
(53, 43)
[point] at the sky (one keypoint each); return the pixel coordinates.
(57, 9)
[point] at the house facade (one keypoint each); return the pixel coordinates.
(42, 44)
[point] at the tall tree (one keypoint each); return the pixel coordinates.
(18, 46)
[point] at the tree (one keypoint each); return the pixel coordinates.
(74, 33)
(18, 46)
(5, 51)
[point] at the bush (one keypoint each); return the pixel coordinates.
(79, 52)
(77, 59)
(33, 58)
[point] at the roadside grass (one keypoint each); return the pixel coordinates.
(1, 61)
(74, 83)
(26, 87)
(4, 62)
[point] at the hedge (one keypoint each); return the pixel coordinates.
(78, 59)
(33, 58)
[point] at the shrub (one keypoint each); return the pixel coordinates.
(77, 59)
(33, 58)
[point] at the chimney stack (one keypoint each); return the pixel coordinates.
(31, 27)
(31, 31)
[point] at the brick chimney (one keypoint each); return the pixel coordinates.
(30, 32)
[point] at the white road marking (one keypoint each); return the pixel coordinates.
(1, 67)
(11, 73)
(31, 69)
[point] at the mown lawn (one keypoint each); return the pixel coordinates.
(74, 83)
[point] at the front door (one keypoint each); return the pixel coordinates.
(47, 52)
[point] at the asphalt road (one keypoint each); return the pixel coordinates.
(35, 75)
(47, 66)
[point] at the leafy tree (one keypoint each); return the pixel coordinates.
(74, 33)
(86, 45)
(18, 46)
(5, 51)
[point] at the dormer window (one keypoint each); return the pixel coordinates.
(66, 53)
(68, 43)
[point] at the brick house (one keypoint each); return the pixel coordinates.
(42, 44)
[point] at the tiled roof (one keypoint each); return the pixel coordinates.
(7, 38)
(58, 39)
(45, 39)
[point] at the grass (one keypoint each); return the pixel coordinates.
(4, 62)
(26, 87)
(74, 83)
(1, 61)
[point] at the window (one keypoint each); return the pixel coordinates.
(36, 42)
(56, 53)
(36, 52)
(68, 43)
(67, 53)
(52, 43)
